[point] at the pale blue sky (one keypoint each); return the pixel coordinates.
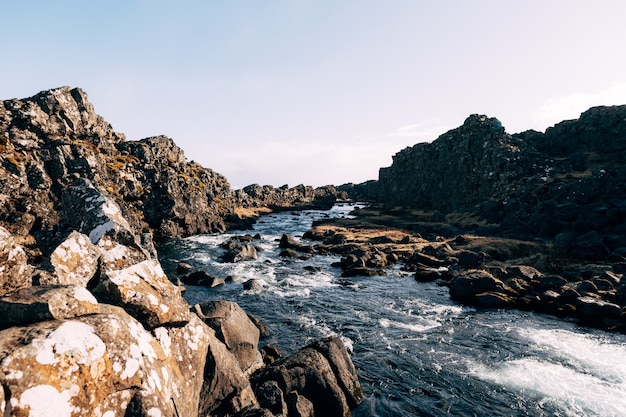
(316, 92)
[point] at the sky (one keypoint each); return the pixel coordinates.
(315, 92)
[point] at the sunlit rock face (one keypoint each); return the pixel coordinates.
(90, 325)
(50, 140)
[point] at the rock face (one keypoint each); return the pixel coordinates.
(54, 137)
(477, 159)
(567, 184)
(89, 323)
(15, 273)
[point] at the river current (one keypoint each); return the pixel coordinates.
(417, 353)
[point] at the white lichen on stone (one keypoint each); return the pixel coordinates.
(71, 338)
(132, 366)
(143, 338)
(154, 412)
(123, 277)
(153, 299)
(83, 294)
(112, 251)
(47, 401)
(15, 374)
(163, 336)
(110, 209)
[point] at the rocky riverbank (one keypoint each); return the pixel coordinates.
(480, 270)
(531, 220)
(89, 322)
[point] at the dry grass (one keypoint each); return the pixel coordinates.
(251, 212)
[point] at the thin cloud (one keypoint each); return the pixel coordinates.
(421, 132)
(572, 105)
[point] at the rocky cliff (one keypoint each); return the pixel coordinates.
(566, 184)
(55, 137)
(90, 325)
(51, 139)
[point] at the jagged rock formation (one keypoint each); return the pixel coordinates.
(567, 184)
(51, 139)
(89, 322)
(462, 168)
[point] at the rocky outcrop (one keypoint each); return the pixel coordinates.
(318, 380)
(481, 271)
(113, 336)
(49, 140)
(100, 330)
(566, 184)
(89, 322)
(460, 169)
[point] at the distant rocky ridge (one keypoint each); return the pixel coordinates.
(89, 322)
(533, 221)
(567, 184)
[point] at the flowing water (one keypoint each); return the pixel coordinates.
(416, 352)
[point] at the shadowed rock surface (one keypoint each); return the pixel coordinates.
(567, 185)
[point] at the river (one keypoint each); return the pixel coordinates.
(417, 353)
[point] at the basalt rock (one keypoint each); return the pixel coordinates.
(146, 293)
(37, 304)
(567, 184)
(92, 365)
(285, 198)
(322, 373)
(235, 329)
(202, 279)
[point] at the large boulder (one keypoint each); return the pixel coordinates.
(75, 261)
(88, 211)
(187, 347)
(226, 389)
(35, 304)
(322, 373)
(103, 364)
(235, 329)
(468, 284)
(146, 293)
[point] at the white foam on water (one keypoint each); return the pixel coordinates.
(425, 325)
(574, 392)
(323, 330)
(318, 280)
(578, 373)
(303, 292)
(595, 355)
